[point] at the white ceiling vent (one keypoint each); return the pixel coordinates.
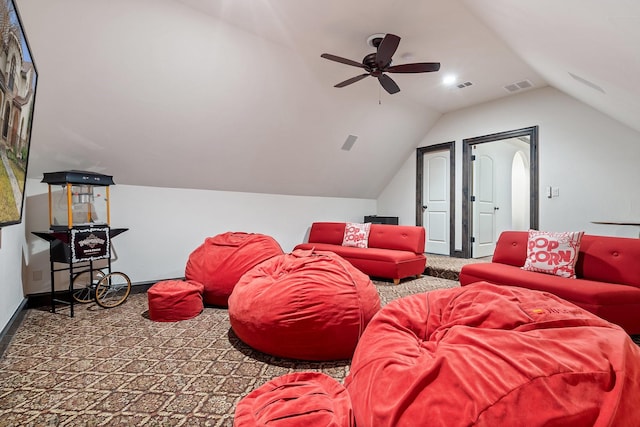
(521, 85)
(348, 143)
(463, 85)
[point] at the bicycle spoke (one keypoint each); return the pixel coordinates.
(112, 290)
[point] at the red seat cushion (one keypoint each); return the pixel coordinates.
(309, 399)
(304, 305)
(173, 300)
(488, 355)
(221, 260)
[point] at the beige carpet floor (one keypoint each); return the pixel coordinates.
(117, 368)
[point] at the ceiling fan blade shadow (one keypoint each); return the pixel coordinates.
(352, 80)
(387, 48)
(418, 67)
(341, 60)
(388, 84)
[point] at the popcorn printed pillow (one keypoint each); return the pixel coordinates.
(553, 253)
(356, 234)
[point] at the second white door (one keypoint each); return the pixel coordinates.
(435, 202)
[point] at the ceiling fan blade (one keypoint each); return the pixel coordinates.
(341, 60)
(387, 48)
(352, 80)
(418, 67)
(388, 84)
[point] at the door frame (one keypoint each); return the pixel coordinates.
(420, 152)
(467, 214)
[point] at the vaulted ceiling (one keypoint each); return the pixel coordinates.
(233, 94)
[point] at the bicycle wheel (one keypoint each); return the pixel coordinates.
(113, 289)
(83, 286)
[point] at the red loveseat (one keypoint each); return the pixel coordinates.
(393, 252)
(607, 270)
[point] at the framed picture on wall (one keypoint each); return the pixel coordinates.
(18, 78)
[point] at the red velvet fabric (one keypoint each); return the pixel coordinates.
(174, 300)
(300, 399)
(601, 258)
(488, 355)
(607, 283)
(304, 305)
(397, 237)
(221, 260)
(393, 252)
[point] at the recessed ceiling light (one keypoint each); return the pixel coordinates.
(449, 79)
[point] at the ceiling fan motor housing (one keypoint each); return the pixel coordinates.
(370, 65)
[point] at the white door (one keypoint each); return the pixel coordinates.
(435, 202)
(484, 206)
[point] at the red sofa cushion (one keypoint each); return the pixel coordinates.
(221, 260)
(511, 248)
(488, 355)
(610, 259)
(385, 263)
(304, 305)
(299, 399)
(374, 254)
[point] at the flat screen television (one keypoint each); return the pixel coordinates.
(18, 77)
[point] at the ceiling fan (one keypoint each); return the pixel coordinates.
(377, 63)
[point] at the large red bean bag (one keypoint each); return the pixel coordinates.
(309, 399)
(221, 260)
(304, 305)
(174, 300)
(487, 355)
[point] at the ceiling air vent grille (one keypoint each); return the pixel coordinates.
(515, 87)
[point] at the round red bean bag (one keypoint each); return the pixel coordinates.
(309, 399)
(173, 300)
(487, 355)
(304, 305)
(221, 260)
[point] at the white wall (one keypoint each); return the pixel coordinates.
(166, 225)
(11, 294)
(589, 156)
(399, 197)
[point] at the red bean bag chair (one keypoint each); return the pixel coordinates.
(173, 300)
(221, 260)
(304, 305)
(487, 355)
(309, 399)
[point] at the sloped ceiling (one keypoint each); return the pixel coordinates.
(589, 49)
(233, 95)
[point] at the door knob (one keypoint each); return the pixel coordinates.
(496, 208)
(424, 207)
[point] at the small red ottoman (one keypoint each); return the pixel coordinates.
(173, 300)
(309, 399)
(487, 355)
(221, 260)
(304, 305)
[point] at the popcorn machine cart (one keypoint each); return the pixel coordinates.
(79, 239)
